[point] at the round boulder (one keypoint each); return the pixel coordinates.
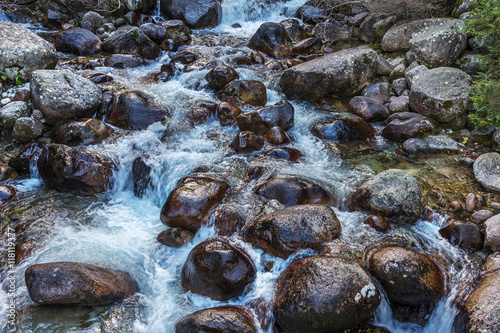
(81, 132)
(487, 171)
(246, 142)
(245, 92)
(220, 76)
(343, 130)
(368, 109)
(77, 41)
(131, 40)
(271, 39)
(224, 319)
(262, 120)
(492, 233)
(26, 129)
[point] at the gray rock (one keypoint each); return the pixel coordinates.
(61, 94)
(78, 41)
(271, 39)
(11, 112)
(440, 93)
(492, 233)
(383, 66)
(26, 129)
(437, 144)
(465, 6)
(469, 63)
(439, 45)
(23, 51)
(403, 129)
(495, 141)
(131, 40)
(399, 86)
(368, 109)
(487, 171)
(392, 194)
(91, 21)
(378, 91)
(331, 32)
(410, 73)
(398, 72)
(339, 74)
(195, 13)
(399, 104)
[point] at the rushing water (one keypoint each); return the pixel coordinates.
(119, 230)
(3, 17)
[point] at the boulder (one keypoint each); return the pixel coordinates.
(7, 172)
(6, 192)
(262, 120)
(156, 33)
(324, 293)
(26, 129)
(284, 153)
(245, 92)
(80, 132)
(440, 93)
(195, 13)
(278, 136)
(492, 234)
(467, 236)
(78, 284)
(408, 277)
(218, 268)
(331, 32)
(288, 230)
(368, 109)
(392, 194)
(311, 14)
(399, 104)
(439, 45)
(401, 130)
(271, 39)
(123, 61)
(220, 76)
(23, 51)
(487, 171)
(69, 169)
(62, 94)
(228, 220)
(11, 112)
(344, 130)
(223, 319)
(294, 31)
(437, 144)
(77, 41)
(227, 113)
(291, 191)
(91, 21)
(175, 237)
(27, 157)
(135, 110)
(481, 216)
(131, 40)
(177, 31)
(246, 142)
(378, 91)
(339, 74)
(479, 311)
(192, 201)
(413, 71)
(307, 46)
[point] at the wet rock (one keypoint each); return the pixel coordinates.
(492, 234)
(135, 110)
(487, 171)
(377, 222)
(27, 157)
(407, 276)
(141, 176)
(201, 64)
(7, 172)
(131, 40)
(26, 129)
(192, 202)
(399, 86)
(80, 132)
(227, 221)
(227, 113)
(274, 65)
(331, 32)
(439, 45)
(271, 39)
(455, 206)
(440, 93)
(245, 92)
(218, 268)
(291, 191)
(123, 61)
(307, 46)
(470, 202)
(246, 142)
(61, 94)
(277, 136)
(224, 319)
(383, 195)
(339, 74)
(69, 169)
(77, 41)
(439, 144)
(286, 231)
(177, 31)
(23, 51)
(368, 109)
(284, 153)
(294, 31)
(155, 32)
(175, 237)
(308, 299)
(378, 91)
(91, 21)
(466, 236)
(220, 76)
(262, 120)
(77, 283)
(402, 130)
(399, 104)
(257, 57)
(11, 112)
(481, 216)
(479, 311)
(344, 130)
(122, 316)
(195, 13)
(311, 14)
(6, 192)
(201, 112)
(24, 250)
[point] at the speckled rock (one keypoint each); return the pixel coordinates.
(245, 92)
(26, 129)
(263, 119)
(487, 171)
(11, 112)
(368, 109)
(223, 319)
(437, 144)
(271, 39)
(344, 130)
(492, 233)
(77, 41)
(22, 50)
(81, 132)
(195, 13)
(131, 40)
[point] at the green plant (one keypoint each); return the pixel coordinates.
(19, 76)
(484, 25)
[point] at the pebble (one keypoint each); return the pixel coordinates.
(481, 215)
(4, 101)
(470, 202)
(495, 205)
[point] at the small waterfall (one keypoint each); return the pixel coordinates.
(157, 11)
(3, 17)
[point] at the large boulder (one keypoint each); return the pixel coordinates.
(218, 268)
(192, 201)
(262, 120)
(62, 94)
(440, 93)
(439, 45)
(492, 233)
(480, 310)
(339, 74)
(343, 130)
(393, 194)
(291, 191)
(27, 157)
(68, 169)
(271, 39)
(434, 144)
(80, 132)
(223, 319)
(286, 231)
(220, 76)
(11, 112)
(77, 283)
(131, 40)
(324, 293)
(135, 110)
(487, 171)
(398, 37)
(77, 41)
(245, 92)
(407, 276)
(404, 129)
(23, 51)
(195, 13)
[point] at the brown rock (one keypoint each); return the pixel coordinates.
(81, 132)
(22, 95)
(377, 222)
(175, 237)
(368, 109)
(278, 136)
(284, 153)
(481, 216)
(27, 157)
(306, 46)
(245, 92)
(246, 142)
(227, 113)
(263, 119)
(224, 319)
(6, 192)
(220, 76)
(7, 172)
(470, 202)
(270, 39)
(228, 221)
(344, 130)
(455, 206)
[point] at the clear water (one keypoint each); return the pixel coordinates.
(119, 230)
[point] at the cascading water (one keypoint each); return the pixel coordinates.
(3, 16)
(119, 230)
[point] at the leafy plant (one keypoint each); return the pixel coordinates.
(19, 76)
